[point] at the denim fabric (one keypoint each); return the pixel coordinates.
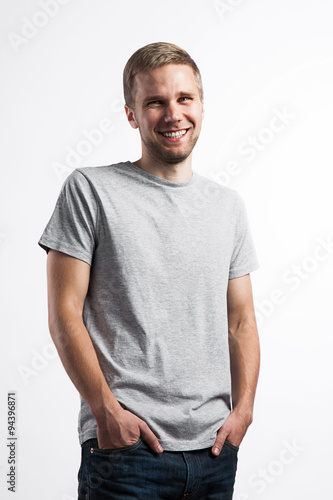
(138, 472)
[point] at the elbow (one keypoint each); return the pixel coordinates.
(243, 332)
(64, 322)
(53, 324)
(59, 321)
(242, 324)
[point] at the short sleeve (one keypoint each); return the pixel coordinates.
(244, 258)
(72, 226)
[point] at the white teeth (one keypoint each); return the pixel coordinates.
(175, 134)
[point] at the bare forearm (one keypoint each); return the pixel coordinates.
(244, 364)
(244, 353)
(80, 361)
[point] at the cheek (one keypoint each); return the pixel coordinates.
(199, 117)
(195, 114)
(153, 121)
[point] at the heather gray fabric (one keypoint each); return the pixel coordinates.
(161, 255)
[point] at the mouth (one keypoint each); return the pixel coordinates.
(174, 134)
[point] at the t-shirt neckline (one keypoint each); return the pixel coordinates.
(160, 180)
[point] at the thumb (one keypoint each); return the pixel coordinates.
(219, 442)
(150, 437)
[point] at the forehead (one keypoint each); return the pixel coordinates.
(166, 80)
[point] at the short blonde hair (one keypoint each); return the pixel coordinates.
(153, 56)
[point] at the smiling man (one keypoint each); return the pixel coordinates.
(168, 112)
(150, 302)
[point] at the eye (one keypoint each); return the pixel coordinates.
(154, 103)
(185, 99)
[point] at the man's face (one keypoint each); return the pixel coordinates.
(168, 112)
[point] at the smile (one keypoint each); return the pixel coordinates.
(175, 134)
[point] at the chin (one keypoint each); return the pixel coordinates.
(172, 157)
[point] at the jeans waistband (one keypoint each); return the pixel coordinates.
(90, 442)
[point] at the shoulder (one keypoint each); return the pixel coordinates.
(101, 172)
(92, 177)
(214, 189)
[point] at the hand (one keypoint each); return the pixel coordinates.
(233, 429)
(123, 428)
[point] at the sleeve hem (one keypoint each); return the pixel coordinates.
(242, 271)
(71, 251)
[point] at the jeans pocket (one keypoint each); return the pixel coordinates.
(231, 446)
(111, 451)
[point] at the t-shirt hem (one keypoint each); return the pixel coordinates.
(87, 435)
(48, 244)
(187, 445)
(167, 445)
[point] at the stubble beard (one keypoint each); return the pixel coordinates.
(161, 154)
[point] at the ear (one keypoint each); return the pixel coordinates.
(203, 110)
(131, 117)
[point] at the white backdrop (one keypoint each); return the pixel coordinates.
(267, 68)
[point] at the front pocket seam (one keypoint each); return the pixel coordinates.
(231, 446)
(107, 451)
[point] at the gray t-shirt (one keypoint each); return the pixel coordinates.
(161, 254)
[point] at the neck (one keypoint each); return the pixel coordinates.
(175, 172)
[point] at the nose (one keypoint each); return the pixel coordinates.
(172, 112)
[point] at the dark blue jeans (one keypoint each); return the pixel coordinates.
(138, 472)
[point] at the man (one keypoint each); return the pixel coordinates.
(150, 302)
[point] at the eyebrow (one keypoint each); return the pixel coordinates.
(162, 98)
(152, 98)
